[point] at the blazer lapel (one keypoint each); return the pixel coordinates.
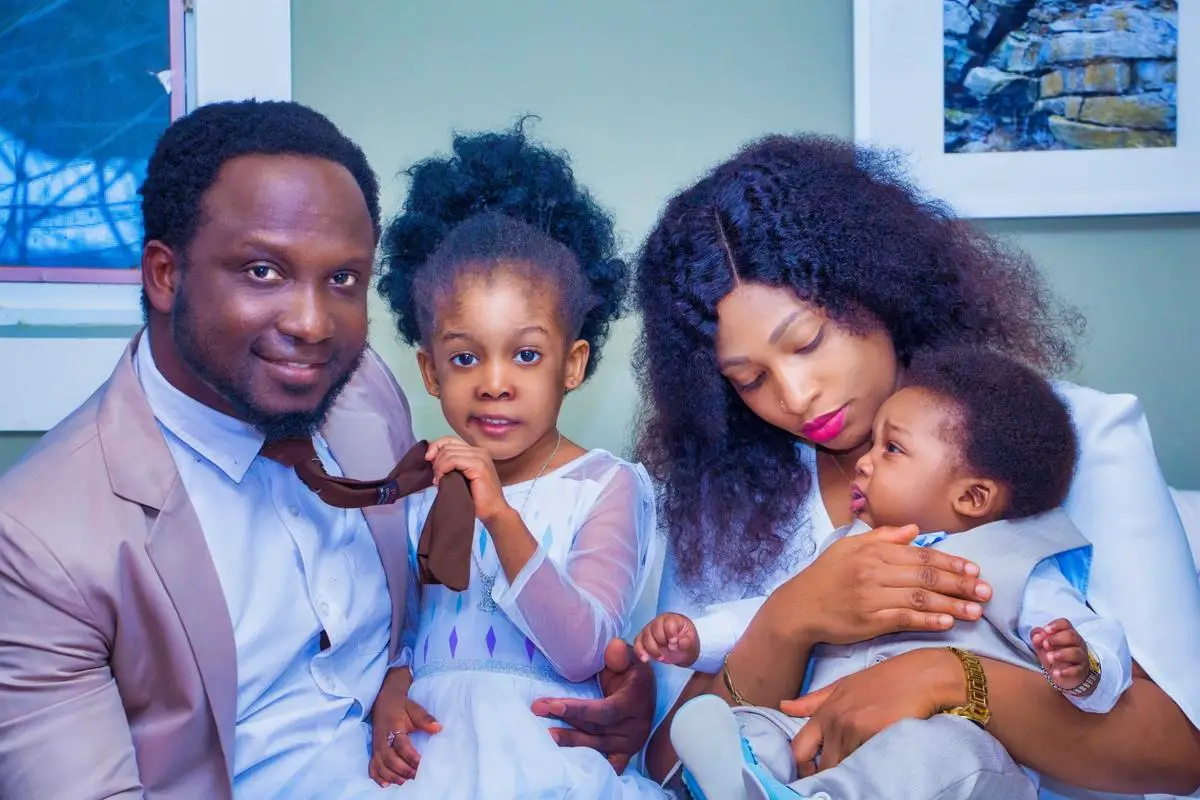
(180, 554)
(142, 470)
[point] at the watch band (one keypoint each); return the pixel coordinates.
(976, 708)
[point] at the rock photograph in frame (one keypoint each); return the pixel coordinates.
(1022, 108)
(1059, 74)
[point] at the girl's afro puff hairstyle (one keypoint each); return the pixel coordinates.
(498, 197)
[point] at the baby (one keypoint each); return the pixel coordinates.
(978, 452)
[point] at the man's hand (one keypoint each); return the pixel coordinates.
(616, 726)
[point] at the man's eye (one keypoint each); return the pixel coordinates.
(344, 279)
(263, 272)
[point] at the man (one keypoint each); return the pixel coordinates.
(181, 616)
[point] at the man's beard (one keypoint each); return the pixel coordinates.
(274, 426)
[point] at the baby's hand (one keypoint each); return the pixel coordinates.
(1062, 652)
(393, 718)
(450, 453)
(669, 638)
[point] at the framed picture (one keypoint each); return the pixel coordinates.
(71, 297)
(1035, 108)
(86, 88)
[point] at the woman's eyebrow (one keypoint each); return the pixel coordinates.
(782, 327)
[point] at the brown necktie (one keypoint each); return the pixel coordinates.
(444, 550)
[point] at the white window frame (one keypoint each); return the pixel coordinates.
(234, 49)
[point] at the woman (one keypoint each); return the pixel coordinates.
(782, 297)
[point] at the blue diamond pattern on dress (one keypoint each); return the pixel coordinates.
(491, 641)
(453, 640)
(458, 603)
(530, 649)
(483, 537)
(425, 655)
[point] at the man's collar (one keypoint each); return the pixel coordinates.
(224, 441)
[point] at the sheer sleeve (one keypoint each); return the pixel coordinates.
(1142, 570)
(570, 613)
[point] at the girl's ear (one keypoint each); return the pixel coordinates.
(576, 364)
(428, 373)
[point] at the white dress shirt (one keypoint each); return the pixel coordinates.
(290, 567)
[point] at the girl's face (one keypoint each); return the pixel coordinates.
(801, 371)
(500, 362)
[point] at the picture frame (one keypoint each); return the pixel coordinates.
(910, 73)
(107, 79)
(59, 340)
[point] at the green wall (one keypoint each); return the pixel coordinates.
(646, 94)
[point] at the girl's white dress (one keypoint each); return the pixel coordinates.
(481, 657)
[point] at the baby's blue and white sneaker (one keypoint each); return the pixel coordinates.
(718, 763)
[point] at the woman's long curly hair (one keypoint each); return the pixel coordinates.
(845, 229)
(501, 199)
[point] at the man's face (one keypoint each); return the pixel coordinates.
(268, 311)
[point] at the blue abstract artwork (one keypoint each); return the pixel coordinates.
(84, 95)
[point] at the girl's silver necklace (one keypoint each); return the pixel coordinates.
(486, 582)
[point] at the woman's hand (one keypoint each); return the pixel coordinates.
(877, 583)
(449, 454)
(393, 718)
(844, 715)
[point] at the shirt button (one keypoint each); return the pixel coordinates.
(295, 512)
(879, 659)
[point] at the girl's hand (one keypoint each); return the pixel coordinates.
(1062, 653)
(449, 454)
(395, 716)
(669, 638)
(844, 715)
(877, 583)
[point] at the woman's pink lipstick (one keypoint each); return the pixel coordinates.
(825, 428)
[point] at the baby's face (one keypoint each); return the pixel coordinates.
(909, 475)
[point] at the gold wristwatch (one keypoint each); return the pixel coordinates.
(976, 708)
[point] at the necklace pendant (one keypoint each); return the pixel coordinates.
(486, 583)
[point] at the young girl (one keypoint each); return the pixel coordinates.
(503, 272)
(977, 451)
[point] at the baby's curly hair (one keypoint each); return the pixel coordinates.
(844, 228)
(502, 200)
(1009, 425)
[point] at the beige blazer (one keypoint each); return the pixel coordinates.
(118, 672)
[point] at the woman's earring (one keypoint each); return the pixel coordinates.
(570, 383)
